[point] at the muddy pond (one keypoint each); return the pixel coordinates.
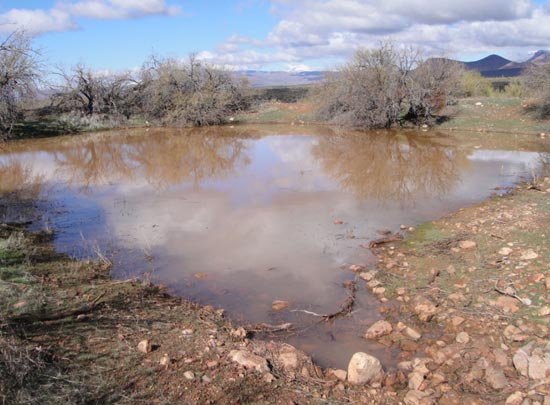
(239, 217)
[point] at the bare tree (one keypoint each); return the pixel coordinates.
(19, 72)
(187, 93)
(433, 82)
(536, 80)
(381, 87)
(90, 93)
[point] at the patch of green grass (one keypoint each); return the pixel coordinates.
(11, 257)
(425, 233)
(13, 275)
(44, 128)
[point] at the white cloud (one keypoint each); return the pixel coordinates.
(246, 58)
(62, 16)
(118, 9)
(334, 29)
(36, 22)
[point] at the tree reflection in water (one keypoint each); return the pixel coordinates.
(161, 158)
(389, 166)
(19, 178)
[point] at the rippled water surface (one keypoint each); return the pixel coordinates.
(239, 217)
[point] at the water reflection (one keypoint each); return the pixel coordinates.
(390, 166)
(159, 158)
(20, 178)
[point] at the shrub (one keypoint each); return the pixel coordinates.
(381, 87)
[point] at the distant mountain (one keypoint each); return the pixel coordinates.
(260, 78)
(497, 66)
(491, 62)
(490, 66)
(540, 57)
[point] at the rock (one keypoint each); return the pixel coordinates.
(212, 364)
(544, 311)
(515, 399)
(508, 304)
(289, 360)
(413, 334)
(510, 331)
(378, 290)
(500, 357)
(415, 380)
(400, 291)
(239, 333)
(340, 374)
(405, 366)
(457, 320)
(205, 379)
(356, 268)
(279, 305)
(505, 251)
(547, 283)
(164, 360)
(144, 346)
(529, 254)
(495, 377)
(521, 361)
(467, 244)
(462, 337)
(539, 366)
(378, 329)
(364, 369)
(269, 378)
(249, 360)
(189, 375)
(368, 275)
(414, 397)
(424, 308)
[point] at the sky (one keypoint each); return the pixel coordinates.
(291, 35)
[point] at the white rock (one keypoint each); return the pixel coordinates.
(529, 254)
(289, 360)
(467, 244)
(505, 251)
(144, 346)
(364, 369)
(415, 380)
(462, 337)
(515, 399)
(249, 360)
(189, 375)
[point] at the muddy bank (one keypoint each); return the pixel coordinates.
(465, 298)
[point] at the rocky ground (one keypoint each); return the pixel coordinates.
(468, 302)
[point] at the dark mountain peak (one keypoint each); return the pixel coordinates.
(491, 62)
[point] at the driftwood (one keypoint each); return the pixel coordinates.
(266, 327)
(345, 308)
(386, 239)
(55, 316)
(348, 304)
(512, 294)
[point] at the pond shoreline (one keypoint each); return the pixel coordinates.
(195, 347)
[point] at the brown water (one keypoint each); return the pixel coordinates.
(239, 217)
